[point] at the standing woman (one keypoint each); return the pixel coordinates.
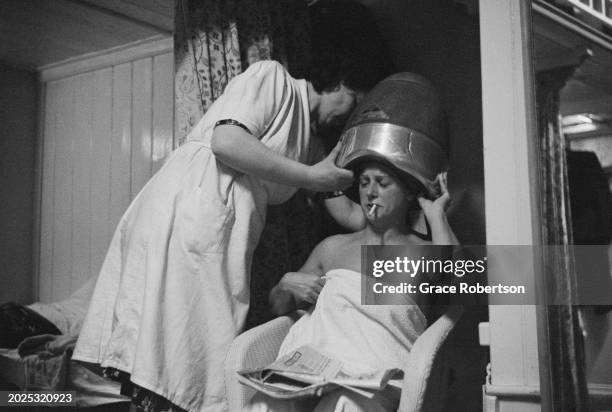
(173, 290)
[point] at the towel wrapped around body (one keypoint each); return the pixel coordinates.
(365, 338)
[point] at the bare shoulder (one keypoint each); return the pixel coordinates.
(332, 242)
(340, 251)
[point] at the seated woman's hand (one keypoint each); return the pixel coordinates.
(436, 208)
(435, 213)
(304, 287)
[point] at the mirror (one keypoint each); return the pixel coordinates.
(572, 47)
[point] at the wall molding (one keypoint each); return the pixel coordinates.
(151, 46)
(600, 394)
(513, 391)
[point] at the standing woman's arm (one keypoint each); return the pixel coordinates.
(343, 210)
(248, 105)
(240, 150)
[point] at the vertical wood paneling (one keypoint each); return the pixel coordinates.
(38, 180)
(105, 133)
(62, 229)
(100, 230)
(163, 98)
(81, 179)
(142, 91)
(46, 207)
(121, 145)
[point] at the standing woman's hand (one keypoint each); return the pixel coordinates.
(325, 176)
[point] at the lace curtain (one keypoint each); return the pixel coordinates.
(217, 39)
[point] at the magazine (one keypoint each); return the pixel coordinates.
(307, 372)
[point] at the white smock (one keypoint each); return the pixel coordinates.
(173, 290)
(365, 338)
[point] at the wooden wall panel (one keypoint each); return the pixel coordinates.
(163, 97)
(105, 132)
(142, 105)
(62, 190)
(82, 157)
(47, 211)
(99, 231)
(121, 135)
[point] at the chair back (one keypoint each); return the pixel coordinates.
(255, 348)
(426, 372)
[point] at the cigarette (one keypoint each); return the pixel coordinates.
(372, 209)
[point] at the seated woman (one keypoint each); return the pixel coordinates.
(364, 338)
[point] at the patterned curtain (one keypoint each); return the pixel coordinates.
(565, 341)
(207, 56)
(214, 41)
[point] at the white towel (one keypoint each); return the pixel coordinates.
(364, 338)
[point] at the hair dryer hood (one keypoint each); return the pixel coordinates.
(400, 122)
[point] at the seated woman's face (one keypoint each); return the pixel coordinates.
(379, 186)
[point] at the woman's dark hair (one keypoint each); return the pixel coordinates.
(330, 67)
(347, 47)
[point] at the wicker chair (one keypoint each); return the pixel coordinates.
(426, 376)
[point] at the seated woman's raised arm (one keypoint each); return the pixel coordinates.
(435, 212)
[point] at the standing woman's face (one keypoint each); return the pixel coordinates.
(337, 105)
(379, 186)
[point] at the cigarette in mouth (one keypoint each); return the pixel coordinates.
(372, 209)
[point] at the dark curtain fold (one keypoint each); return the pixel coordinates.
(566, 346)
(277, 30)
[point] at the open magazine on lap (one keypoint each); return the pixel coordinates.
(308, 372)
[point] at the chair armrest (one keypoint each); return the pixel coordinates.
(253, 349)
(425, 385)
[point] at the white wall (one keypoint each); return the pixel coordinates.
(512, 218)
(105, 132)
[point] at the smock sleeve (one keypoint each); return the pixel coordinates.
(254, 97)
